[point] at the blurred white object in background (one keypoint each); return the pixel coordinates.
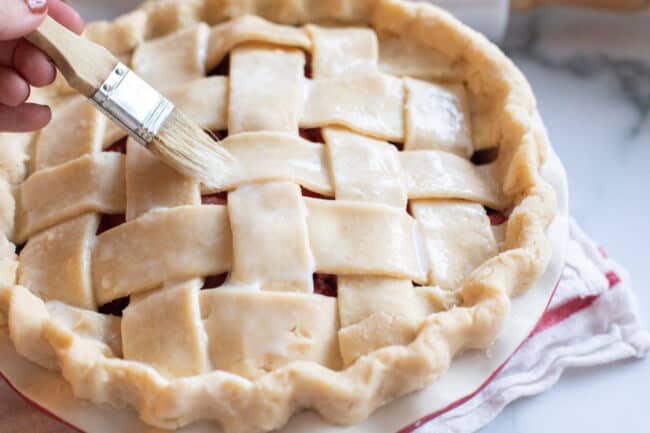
(489, 17)
(98, 10)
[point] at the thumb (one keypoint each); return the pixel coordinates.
(19, 17)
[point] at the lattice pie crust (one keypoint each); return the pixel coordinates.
(352, 124)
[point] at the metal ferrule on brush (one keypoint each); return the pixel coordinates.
(132, 103)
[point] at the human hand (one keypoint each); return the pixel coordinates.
(23, 65)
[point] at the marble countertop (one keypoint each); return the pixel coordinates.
(591, 74)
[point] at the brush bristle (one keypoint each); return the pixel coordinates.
(188, 149)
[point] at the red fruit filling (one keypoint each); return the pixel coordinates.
(218, 134)
(326, 285)
(308, 73)
(107, 222)
(212, 281)
(115, 307)
(216, 198)
(222, 68)
(496, 217)
(312, 134)
(19, 248)
(119, 146)
(309, 193)
(485, 156)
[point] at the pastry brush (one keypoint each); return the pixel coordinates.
(142, 111)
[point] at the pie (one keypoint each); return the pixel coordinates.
(384, 206)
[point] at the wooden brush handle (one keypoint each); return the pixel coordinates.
(621, 5)
(84, 64)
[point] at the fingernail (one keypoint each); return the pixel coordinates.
(37, 6)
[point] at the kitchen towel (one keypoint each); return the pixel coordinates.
(591, 320)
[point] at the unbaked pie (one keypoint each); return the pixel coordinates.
(384, 205)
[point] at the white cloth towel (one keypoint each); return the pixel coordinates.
(592, 320)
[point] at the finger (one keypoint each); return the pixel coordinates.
(24, 118)
(33, 64)
(65, 15)
(59, 11)
(7, 52)
(14, 90)
(18, 19)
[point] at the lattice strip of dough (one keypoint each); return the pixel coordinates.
(163, 329)
(377, 330)
(371, 104)
(60, 142)
(176, 58)
(204, 100)
(437, 174)
(224, 37)
(90, 183)
(284, 11)
(363, 238)
(365, 169)
(150, 183)
(363, 296)
(457, 237)
(342, 51)
(270, 244)
(266, 88)
(332, 11)
(437, 117)
(161, 245)
(55, 264)
(406, 57)
(166, 17)
(264, 156)
(284, 327)
(119, 36)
